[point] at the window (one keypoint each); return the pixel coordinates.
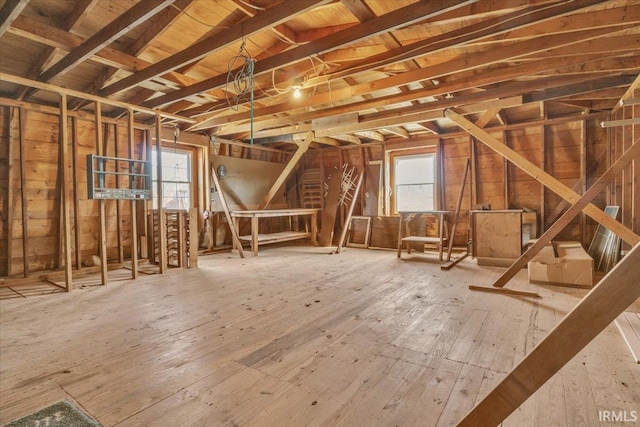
(176, 179)
(414, 178)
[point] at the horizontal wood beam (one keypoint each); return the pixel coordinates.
(591, 53)
(269, 18)
(61, 90)
(403, 118)
(124, 23)
(11, 9)
(398, 18)
(483, 58)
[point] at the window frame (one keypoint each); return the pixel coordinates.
(424, 151)
(191, 170)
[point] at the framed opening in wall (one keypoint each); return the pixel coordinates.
(177, 177)
(413, 181)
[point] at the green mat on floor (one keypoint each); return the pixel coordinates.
(61, 414)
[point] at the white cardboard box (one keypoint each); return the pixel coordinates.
(564, 263)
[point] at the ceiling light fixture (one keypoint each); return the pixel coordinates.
(296, 91)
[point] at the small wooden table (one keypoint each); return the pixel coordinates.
(283, 236)
(407, 216)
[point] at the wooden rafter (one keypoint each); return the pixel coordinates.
(80, 10)
(274, 16)
(483, 59)
(396, 19)
(161, 23)
(112, 31)
(458, 37)
(11, 9)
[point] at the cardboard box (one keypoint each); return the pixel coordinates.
(564, 263)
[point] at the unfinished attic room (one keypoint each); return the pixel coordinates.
(319, 212)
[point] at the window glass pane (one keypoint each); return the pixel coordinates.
(415, 197)
(176, 178)
(414, 169)
(414, 182)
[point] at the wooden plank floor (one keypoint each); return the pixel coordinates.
(297, 337)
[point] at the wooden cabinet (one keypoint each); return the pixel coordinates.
(499, 236)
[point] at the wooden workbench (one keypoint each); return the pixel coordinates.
(257, 239)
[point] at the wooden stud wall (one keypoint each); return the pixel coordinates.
(41, 148)
(625, 191)
(563, 143)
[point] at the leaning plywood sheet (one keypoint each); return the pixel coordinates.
(629, 326)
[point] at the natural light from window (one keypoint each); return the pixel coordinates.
(176, 179)
(414, 183)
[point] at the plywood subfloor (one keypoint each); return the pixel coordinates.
(297, 337)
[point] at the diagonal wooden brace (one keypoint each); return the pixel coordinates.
(543, 177)
(632, 153)
(606, 301)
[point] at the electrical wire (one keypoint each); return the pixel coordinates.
(240, 76)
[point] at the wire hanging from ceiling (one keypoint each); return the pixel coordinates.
(240, 75)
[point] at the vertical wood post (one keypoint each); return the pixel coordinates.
(76, 193)
(118, 202)
(162, 223)
(132, 184)
(543, 166)
(10, 193)
(65, 195)
(505, 172)
(23, 193)
(103, 211)
(583, 178)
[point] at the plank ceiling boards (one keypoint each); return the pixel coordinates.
(337, 52)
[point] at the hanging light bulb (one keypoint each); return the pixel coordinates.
(296, 91)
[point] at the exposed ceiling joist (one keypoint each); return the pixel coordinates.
(11, 9)
(396, 19)
(114, 30)
(274, 16)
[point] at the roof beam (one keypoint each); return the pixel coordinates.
(376, 136)
(160, 23)
(460, 63)
(397, 19)
(475, 79)
(464, 35)
(80, 10)
(274, 16)
(402, 118)
(9, 12)
(113, 31)
(398, 130)
(40, 32)
(453, 38)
